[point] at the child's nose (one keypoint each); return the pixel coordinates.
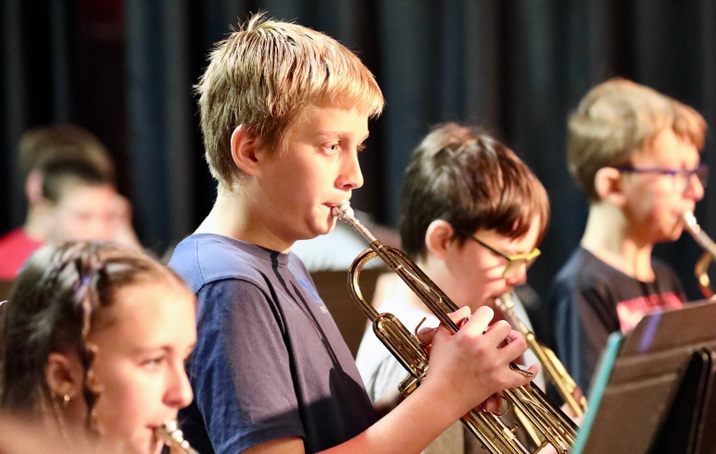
(516, 274)
(179, 393)
(695, 188)
(351, 176)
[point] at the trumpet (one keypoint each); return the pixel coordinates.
(703, 240)
(173, 437)
(553, 367)
(554, 427)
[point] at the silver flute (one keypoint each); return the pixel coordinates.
(174, 438)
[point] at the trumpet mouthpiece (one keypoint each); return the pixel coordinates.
(689, 219)
(343, 210)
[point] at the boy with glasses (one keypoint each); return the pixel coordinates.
(472, 215)
(636, 155)
(512, 260)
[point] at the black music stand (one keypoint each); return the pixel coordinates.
(653, 391)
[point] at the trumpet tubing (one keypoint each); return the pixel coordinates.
(553, 367)
(554, 427)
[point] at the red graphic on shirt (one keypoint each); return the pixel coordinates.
(631, 311)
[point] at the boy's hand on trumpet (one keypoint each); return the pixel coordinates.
(475, 361)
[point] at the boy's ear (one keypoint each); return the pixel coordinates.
(608, 185)
(438, 238)
(63, 374)
(245, 147)
(33, 187)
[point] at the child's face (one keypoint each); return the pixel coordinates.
(654, 203)
(139, 365)
(477, 274)
(317, 170)
(84, 212)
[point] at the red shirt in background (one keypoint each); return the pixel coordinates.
(15, 247)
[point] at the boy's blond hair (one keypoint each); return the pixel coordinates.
(265, 75)
(616, 120)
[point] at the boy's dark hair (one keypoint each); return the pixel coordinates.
(58, 175)
(42, 144)
(467, 178)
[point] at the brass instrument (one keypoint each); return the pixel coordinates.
(174, 438)
(554, 426)
(553, 367)
(703, 240)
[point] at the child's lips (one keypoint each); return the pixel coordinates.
(331, 206)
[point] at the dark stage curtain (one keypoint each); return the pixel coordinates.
(125, 69)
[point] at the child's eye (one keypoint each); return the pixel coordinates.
(332, 147)
(153, 363)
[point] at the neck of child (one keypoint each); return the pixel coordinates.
(36, 224)
(607, 236)
(233, 216)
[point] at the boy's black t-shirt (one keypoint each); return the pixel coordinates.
(590, 300)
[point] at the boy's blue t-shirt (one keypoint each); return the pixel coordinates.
(269, 361)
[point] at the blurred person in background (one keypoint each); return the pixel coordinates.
(55, 147)
(636, 154)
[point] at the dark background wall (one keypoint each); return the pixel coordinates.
(124, 69)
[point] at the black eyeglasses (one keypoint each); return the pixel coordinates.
(682, 177)
(512, 259)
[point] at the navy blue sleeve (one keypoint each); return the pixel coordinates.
(240, 371)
